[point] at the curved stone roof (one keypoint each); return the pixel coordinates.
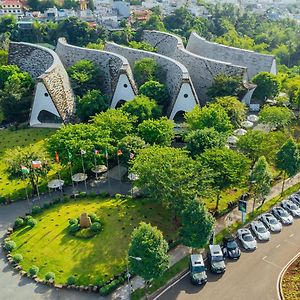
(44, 65)
(201, 69)
(111, 64)
(176, 73)
(255, 62)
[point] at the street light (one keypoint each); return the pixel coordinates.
(128, 274)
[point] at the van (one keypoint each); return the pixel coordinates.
(216, 259)
(197, 269)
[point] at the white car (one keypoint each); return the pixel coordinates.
(282, 215)
(295, 198)
(291, 207)
(246, 238)
(271, 222)
(259, 229)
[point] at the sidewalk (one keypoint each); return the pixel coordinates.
(233, 216)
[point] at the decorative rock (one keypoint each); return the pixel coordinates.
(81, 288)
(95, 289)
(23, 273)
(85, 220)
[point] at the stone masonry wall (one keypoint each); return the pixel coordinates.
(112, 65)
(201, 69)
(255, 62)
(44, 65)
(176, 73)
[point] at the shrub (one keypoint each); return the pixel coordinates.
(10, 245)
(19, 222)
(36, 209)
(66, 199)
(71, 280)
(96, 227)
(33, 270)
(94, 218)
(103, 194)
(27, 218)
(73, 221)
(46, 205)
(93, 194)
(74, 228)
(118, 196)
(56, 201)
(17, 258)
(82, 194)
(107, 289)
(2, 199)
(50, 276)
(32, 222)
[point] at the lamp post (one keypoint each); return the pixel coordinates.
(128, 274)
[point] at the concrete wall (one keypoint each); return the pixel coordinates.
(45, 67)
(177, 76)
(255, 62)
(115, 68)
(202, 70)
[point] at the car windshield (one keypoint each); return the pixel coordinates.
(198, 269)
(231, 244)
(247, 237)
(282, 213)
(261, 229)
(293, 206)
(217, 258)
(272, 221)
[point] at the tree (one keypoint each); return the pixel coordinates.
(155, 90)
(117, 122)
(147, 69)
(228, 167)
(236, 110)
(201, 139)
(159, 132)
(3, 57)
(288, 160)
(142, 108)
(148, 244)
(225, 85)
(142, 46)
(70, 139)
(276, 117)
(19, 165)
(210, 116)
(268, 85)
(197, 224)
(6, 71)
(91, 103)
(261, 179)
(85, 76)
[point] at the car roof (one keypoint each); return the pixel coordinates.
(197, 260)
(256, 222)
(215, 249)
(243, 230)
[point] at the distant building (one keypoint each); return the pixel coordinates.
(51, 13)
(13, 7)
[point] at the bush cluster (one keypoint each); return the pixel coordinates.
(71, 280)
(107, 289)
(74, 228)
(33, 270)
(19, 222)
(73, 221)
(50, 276)
(36, 209)
(10, 245)
(17, 258)
(31, 222)
(96, 227)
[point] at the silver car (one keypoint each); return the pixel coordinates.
(282, 215)
(295, 198)
(271, 222)
(259, 229)
(291, 207)
(246, 238)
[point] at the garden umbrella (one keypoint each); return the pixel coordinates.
(78, 177)
(252, 118)
(247, 124)
(240, 131)
(99, 169)
(56, 183)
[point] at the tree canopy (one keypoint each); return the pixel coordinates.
(155, 90)
(275, 116)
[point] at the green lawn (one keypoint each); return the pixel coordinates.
(10, 139)
(93, 261)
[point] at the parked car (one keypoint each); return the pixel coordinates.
(271, 222)
(231, 248)
(197, 269)
(247, 239)
(282, 215)
(259, 229)
(295, 198)
(216, 259)
(291, 207)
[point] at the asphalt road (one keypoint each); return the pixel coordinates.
(252, 277)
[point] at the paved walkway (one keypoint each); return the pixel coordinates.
(13, 287)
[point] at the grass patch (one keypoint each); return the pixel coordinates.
(291, 281)
(159, 282)
(34, 137)
(51, 248)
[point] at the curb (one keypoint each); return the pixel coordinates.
(281, 275)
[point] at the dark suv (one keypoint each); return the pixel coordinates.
(231, 248)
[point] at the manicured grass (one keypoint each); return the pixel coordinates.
(9, 139)
(291, 281)
(92, 261)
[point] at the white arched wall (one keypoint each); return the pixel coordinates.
(185, 100)
(42, 102)
(123, 91)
